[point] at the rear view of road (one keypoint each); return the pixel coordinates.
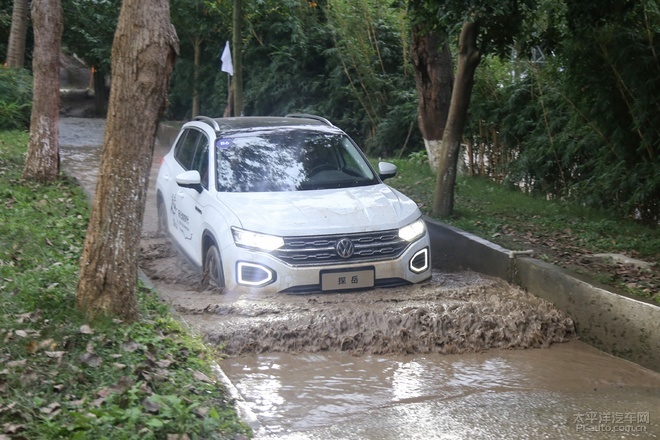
(443, 359)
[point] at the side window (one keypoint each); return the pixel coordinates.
(185, 148)
(201, 160)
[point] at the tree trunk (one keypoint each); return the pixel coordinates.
(238, 59)
(43, 157)
(100, 93)
(468, 60)
(17, 34)
(143, 54)
(434, 77)
(196, 67)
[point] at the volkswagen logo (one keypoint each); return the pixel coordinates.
(345, 248)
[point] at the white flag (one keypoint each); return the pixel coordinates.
(227, 65)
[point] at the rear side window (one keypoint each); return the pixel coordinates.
(185, 148)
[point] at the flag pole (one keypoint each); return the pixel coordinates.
(227, 66)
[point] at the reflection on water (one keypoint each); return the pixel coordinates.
(566, 391)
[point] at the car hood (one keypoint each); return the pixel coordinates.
(329, 211)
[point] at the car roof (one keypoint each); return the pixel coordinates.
(265, 122)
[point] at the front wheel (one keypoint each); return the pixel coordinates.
(213, 275)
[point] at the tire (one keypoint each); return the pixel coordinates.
(163, 225)
(213, 275)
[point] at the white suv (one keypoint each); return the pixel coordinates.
(287, 204)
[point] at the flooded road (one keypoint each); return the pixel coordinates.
(451, 358)
(567, 391)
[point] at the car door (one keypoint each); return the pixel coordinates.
(179, 207)
(194, 202)
(191, 154)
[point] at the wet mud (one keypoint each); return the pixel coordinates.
(452, 313)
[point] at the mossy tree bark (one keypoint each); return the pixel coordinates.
(43, 159)
(143, 53)
(434, 77)
(468, 60)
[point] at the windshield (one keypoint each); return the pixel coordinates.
(290, 160)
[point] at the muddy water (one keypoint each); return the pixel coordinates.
(566, 391)
(427, 361)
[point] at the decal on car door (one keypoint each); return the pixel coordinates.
(180, 220)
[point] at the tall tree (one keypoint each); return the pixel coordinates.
(237, 83)
(434, 77)
(485, 27)
(18, 33)
(143, 54)
(43, 158)
(468, 60)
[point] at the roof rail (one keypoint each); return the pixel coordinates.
(209, 121)
(308, 116)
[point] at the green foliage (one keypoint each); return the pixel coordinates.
(611, 72)
(289, 64)
(419, 158)
(89, 30)
(500, 22)
(582, 125)
(15, 98)
(5, 26)
(62, 378)
(369, 42)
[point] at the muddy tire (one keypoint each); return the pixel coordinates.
(213, 276)
(163, 225)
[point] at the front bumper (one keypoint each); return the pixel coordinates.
(253, 271)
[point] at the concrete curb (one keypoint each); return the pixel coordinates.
(614, 323)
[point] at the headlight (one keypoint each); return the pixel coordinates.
(413, 231)
(255, 240)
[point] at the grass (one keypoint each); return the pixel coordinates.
(60, 378)
(559, 232)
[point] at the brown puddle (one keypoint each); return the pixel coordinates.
(569, 391)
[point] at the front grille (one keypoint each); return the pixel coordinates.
(322, 249)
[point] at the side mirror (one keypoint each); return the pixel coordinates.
(386, 170)
(190, 179)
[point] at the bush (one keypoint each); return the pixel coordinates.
(15, 98)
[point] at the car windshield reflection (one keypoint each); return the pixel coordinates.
(290, 160)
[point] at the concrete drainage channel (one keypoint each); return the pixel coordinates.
(622, 326)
